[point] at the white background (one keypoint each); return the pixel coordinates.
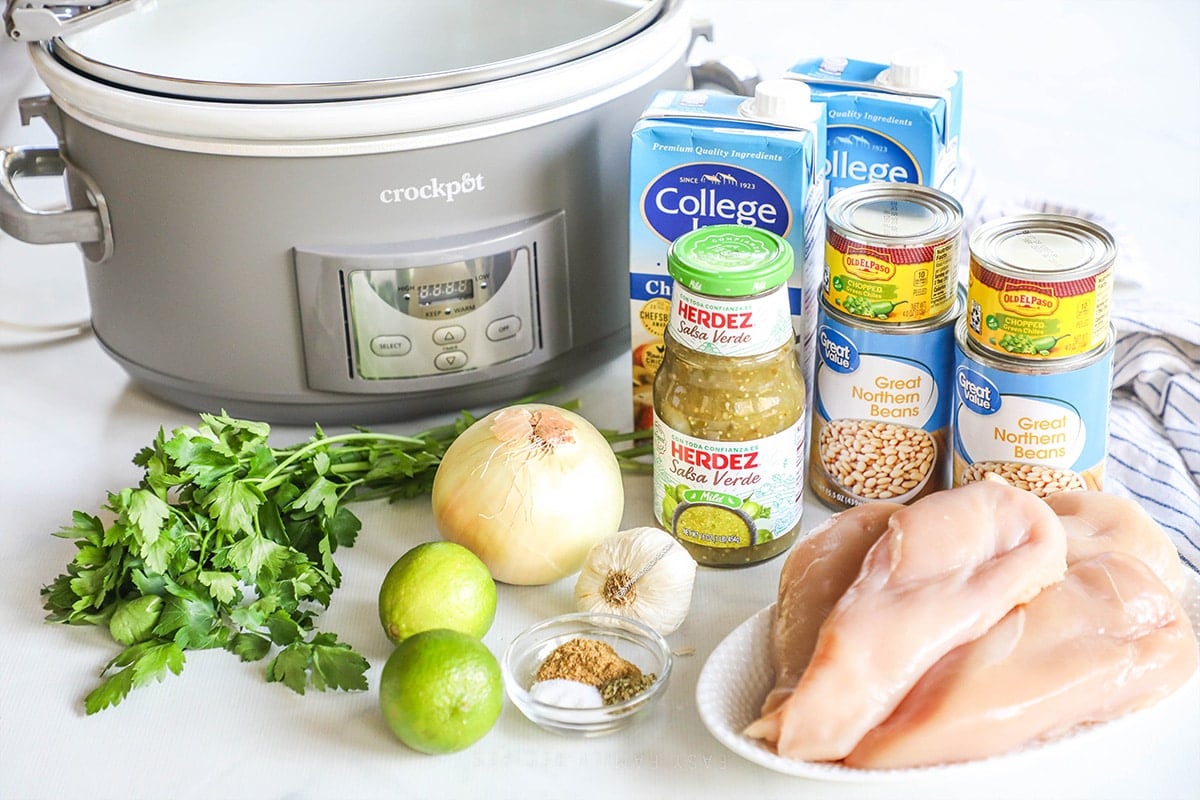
(1095, 104)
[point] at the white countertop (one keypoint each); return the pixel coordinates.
(1091, 104)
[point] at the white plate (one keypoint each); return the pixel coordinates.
(737, 676)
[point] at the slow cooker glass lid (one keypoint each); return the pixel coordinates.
(311, 50)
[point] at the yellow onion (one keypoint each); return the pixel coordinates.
(530, 489)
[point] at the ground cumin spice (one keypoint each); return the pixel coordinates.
(586, 661)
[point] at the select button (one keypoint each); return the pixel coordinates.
(391, 345)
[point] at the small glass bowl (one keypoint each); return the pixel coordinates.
(634, 641)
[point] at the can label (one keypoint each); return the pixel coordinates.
(881, 411)
(1040, 286)
(728, 494)
(893, 284)
(1041, 430)
(1037, 319)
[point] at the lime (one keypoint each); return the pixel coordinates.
(437, 585)
(441, 691)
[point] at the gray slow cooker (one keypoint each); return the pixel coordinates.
(305, 211)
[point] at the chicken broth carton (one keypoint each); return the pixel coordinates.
(896, 122)
(701, 158)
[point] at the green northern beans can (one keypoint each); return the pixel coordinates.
(729, 399)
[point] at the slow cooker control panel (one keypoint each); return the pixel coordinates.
(434, 313)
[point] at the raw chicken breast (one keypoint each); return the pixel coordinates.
(1097, 522)
(817, 572)
(1108, 639)
(949, 567)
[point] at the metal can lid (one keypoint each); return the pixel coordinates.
(1050, 246)
(893, 214)
(730, 260)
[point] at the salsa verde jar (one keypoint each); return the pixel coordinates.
(729, 399)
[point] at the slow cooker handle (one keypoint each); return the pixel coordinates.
(39, 20)
(88, 227)
(735, 74)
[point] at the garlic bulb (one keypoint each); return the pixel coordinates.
(641, 573)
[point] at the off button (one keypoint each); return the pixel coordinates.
(503, 328)
(450, 360)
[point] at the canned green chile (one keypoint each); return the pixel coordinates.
(891, 252)
(1040, 286)
(1040, 425)
(881, 408)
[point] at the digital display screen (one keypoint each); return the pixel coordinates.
(445, 291)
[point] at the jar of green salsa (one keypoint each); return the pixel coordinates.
(729, 399)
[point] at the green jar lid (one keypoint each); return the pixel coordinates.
(730, 260)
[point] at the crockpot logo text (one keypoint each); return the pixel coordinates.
(434, 189)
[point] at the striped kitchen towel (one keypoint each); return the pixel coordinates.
(1154, 428)
(1154, 425)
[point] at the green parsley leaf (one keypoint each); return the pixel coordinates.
(111, 691)
(147, 512)
(135, 619)
(223, 586)
(290, 667)
(235, 506)
(339, 667)
(249, 646)
(228, 541)
(256, 554)
(142, 663)
(284, 630)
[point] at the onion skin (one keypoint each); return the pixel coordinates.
(530, 489)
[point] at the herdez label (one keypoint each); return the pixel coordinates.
(727, 494)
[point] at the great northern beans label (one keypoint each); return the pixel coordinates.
(881, 410)
(1042, 427)
(727, 494)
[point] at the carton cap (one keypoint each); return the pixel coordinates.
(782, 100)
(917, 71)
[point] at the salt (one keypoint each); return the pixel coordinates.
(566, 693)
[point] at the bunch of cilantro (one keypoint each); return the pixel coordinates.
(229, 542)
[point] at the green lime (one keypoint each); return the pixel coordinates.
(441, 691)
(437, 585)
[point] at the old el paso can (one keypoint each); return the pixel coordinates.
(881, 408)
(1040, 286)
(1040, 425)
(891, 252)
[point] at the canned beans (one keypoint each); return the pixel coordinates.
(881, 408)
(1040, 425)
(1040, 479)
(876, 460)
